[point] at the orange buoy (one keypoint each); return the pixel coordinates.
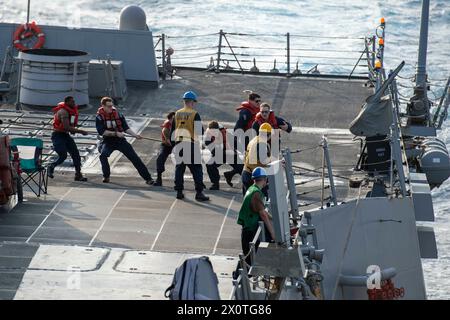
(26, 31)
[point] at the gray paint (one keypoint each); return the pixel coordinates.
(134, 48)
(423, 203)
(412, 131)
(371, 243)
(100, 82)
(427, 242)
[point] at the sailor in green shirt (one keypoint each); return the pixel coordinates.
(253, 210)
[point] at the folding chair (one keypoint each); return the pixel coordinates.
(30, 157)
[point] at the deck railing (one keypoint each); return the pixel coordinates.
(285, 54)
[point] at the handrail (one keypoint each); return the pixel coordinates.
(231, 51)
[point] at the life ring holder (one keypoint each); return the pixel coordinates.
(28, 30)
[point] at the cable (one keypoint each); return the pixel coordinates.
(192, 36)
(347, 241)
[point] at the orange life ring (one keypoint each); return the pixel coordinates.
(27, 31)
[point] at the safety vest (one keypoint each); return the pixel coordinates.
(252, 160)
(253, 110)
(272, 120)
(248, 218)
(112, 120)
(184, 125)
(73, 116)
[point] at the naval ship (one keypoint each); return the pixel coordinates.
(347, 200)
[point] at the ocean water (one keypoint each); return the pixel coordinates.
(271, 19)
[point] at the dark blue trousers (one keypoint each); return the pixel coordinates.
(213, 171)
(108, 146)
(163, 154)
(195, 168)
(63, 143)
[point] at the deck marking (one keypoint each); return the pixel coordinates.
(221, 227)
(164, 222)
(51, 211)
(109, 214)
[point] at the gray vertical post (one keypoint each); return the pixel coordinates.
(278, 204)
(219, 51)
(288, 53)
(423, 43)
(366, 49)
(373, 50)
(108, 81)
(438, 109)
(111, 75)
(330, 170)
(19, 86)
(322, 194)
(74, 78)
(383, 35)
(163, 55)
(445, 102)
(5, 62)
(262, 234)
(291, 183)
(28, 11)
(398, 160)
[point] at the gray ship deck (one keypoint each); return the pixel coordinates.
(125, 239)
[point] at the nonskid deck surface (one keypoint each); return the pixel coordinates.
(136, 236)
(127, 238)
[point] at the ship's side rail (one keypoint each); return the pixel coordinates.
(286, 54)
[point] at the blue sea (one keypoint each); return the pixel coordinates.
(310, 23)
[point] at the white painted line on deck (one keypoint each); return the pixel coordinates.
(109, 214)
(221, 227)
(51, 211)
(164, 222)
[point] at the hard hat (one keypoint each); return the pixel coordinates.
(190, 95)
(265, 127)
(259, 172)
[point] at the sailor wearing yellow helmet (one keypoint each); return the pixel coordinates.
(258, 154)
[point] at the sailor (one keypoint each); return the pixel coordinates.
(258, 154)
(186, 129)
(252, 211)
(165, 148)
(112, 126)
(247, 113)
(266, 115)
(65, 121)
(217, 142)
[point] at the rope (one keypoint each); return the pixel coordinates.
(193, 49)
(190, 63)
(406, 78)
(192, 36)
(195, 56)
(306, 149)
(437, 80)
(311, 203)
(347, 241)
(292, 35)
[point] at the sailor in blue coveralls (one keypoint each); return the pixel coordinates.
(112, 126)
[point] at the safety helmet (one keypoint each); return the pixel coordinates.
(265, 127)
(259, 172)
(190, 95)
